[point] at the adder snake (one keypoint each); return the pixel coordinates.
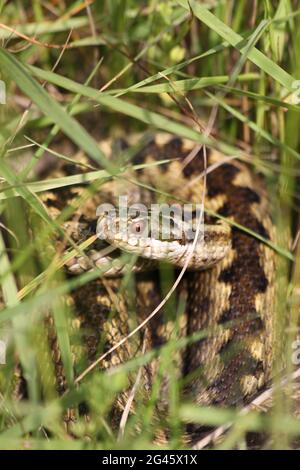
(232, 298)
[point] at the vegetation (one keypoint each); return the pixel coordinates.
(80, 71)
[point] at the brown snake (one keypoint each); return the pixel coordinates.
(232, 297)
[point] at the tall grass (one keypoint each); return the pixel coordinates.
(75, 74)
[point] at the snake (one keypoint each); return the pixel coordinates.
(228, 289)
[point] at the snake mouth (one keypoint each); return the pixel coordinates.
(174, 244)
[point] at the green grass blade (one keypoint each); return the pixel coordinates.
(237, 41)
(192, 83)
(260, 131)
(21, 325)
(14, 188)
(151, 118)
(19, 73)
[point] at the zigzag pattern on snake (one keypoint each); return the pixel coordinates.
(234, 301)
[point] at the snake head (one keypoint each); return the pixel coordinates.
(169, 240)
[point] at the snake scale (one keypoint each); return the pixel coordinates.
(232, 298)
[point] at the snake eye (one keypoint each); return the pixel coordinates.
(138, 227)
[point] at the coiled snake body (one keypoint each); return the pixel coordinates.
(232, 301)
